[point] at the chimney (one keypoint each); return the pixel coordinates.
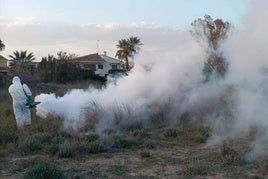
(105, 53)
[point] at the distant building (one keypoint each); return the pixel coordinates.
(3, 65)
(100, 64)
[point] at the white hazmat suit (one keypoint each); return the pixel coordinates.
(21, 111)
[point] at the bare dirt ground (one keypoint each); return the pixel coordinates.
(171, 158)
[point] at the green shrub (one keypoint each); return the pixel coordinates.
(30, 144)
(168, 133)
(7, 137)
(123, 142)
(43, 170)
(117, 71)
(3, 80)
(94, 148)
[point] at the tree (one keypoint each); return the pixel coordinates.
(21, 63)
(46, 68)
(2, 45)
(127, 48)
(20, 58)
(60, 69)
(213, 32)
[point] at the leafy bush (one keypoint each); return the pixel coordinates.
(3, 80)
(117, 71)
(7, 137)
(43, 170)
(95, 147)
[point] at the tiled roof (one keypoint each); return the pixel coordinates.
(89, 58)
(3, 63)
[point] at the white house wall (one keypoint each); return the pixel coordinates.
(107, 66)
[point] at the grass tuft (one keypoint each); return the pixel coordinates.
(64, 150)
(150, 144)
(170, 133)
(92, 137)
(118, 169)
(43, 137)
(229, 155)
(123, 142)
(31, 144)
(141, 133)
(94, 148)
(7, 137)
(42, 170)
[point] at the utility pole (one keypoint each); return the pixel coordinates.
(98, 46)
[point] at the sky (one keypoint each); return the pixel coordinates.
(89, 26)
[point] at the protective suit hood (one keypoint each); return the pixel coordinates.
(16, 80)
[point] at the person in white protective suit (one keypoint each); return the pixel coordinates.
(18, 93)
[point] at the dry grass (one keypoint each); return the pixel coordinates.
(138, 152)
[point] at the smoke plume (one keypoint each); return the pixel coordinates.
(172, 81)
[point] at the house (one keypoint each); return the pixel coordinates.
(100, 64)
(3, 65)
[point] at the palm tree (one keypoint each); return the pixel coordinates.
(2, 45)
(124, 52)
(127, 48)
(21, 58)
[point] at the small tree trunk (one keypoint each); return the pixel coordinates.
(127, 64)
